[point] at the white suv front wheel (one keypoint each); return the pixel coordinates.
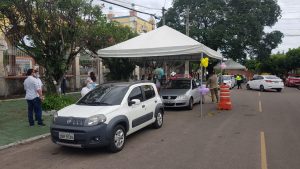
(159, 120)
(118, 139)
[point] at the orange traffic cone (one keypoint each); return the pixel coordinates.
(225, 101)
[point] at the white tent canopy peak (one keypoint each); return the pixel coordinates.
(161, 43)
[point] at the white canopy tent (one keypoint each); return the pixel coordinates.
(163, 43)
(232, 65)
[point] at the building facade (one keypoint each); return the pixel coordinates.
(137, 24)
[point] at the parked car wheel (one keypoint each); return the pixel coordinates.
(261, 88)
(191, 104)
(278, 90)
(248, 87)
(159, 120)
(118, 139)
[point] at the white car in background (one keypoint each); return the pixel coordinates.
(229, 80)
(263, 82)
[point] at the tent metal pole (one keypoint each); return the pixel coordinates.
(201, 81)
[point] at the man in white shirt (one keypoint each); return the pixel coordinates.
(33, 96)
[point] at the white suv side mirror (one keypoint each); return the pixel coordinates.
(134, 102)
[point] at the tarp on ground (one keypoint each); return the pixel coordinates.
(163, 43)
(231, 65)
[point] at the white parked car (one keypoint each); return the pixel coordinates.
(263, 82)
(229, 80)
(107, 114)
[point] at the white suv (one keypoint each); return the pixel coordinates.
(107, 114)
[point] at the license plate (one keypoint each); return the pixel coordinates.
(66, 136)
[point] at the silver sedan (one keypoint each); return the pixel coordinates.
(182, 92)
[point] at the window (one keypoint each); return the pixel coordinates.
(272, 77)
(260, 78)
(149, 91)
(255, 77)
(179, 84)
(194, 84)
(136, 93)
(104, 96)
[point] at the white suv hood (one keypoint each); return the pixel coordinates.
(83, 111)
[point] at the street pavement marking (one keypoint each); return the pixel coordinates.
(259, 106)
(263, 151)
(258, 93)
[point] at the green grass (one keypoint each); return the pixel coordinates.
(14, 124)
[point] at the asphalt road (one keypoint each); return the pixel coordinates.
(262, 131)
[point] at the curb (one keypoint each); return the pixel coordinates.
(23, 98)
(7, 100)
(25, 141)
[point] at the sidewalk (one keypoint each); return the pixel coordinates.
(14, 127)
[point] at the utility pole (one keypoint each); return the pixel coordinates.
(187, 24)
(163, 15)
(187, 63)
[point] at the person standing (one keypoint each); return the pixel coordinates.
(33, 97)
(92, 77)
(212, 84)
(40, 85)
(159, 73)
(239, 81)
(63, 85)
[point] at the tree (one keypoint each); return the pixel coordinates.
(252, 65)
(53, 32)
(276, 65)
(120, 68)
(293, 59)
(236, 27)
(264, 47)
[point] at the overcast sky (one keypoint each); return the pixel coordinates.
(288, 24)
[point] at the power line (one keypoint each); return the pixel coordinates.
(291, 12)
(126, 2)
(156, 17)
(291, 35)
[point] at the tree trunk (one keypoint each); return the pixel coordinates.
(51, 88)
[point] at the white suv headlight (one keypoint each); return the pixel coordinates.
(182, 97)
(95, 120)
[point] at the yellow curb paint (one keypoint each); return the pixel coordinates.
(259, 106)
(263, 151)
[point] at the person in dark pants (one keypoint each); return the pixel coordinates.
(40, 83)
(239, 81)
(212, 84)
(63, 85)
(33, 97)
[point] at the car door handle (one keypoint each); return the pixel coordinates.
(143, 106)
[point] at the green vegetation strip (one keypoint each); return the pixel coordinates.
(14, 122)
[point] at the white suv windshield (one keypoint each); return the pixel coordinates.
(104, 95)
